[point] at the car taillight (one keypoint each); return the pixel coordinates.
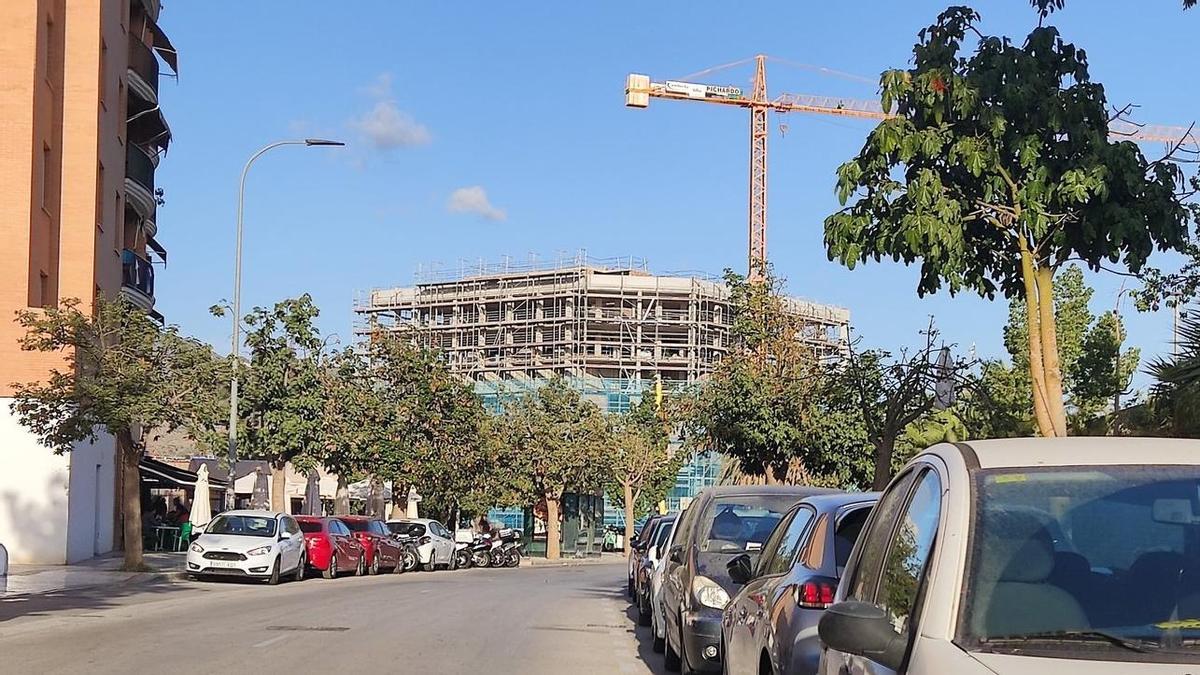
(316, 541)
(816, 593)
(425, 540)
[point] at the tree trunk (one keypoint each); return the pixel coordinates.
(341, 498)
(127, 457)
(884, 447)
(278, 483)
(1037, 373)
(399, 500)
(1049, 330)
(553, 529)
(628, 490)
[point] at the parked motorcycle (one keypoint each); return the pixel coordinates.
(462, 555)
(508, 553)
(410, 558)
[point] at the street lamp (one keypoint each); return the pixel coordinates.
(237, 304)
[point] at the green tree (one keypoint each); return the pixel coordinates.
(282, 402)
(555, 440)
(1095, 370)
(1175, 400)
(356, 423)
(995, 171)
(756, 406)
(642, 465)
(999, 406)
(121, 370)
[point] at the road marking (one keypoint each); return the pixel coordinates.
(273, 640)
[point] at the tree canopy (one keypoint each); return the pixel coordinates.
(995, 171)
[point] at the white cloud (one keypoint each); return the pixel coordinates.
(388, 127)
(474, 199)
(381, 88)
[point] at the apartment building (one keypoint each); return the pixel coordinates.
(83, 134)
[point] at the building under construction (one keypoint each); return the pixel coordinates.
(610, 324)
(610, 327)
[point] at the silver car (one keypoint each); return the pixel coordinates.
(1029, 556)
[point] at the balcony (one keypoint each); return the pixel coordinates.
(143, 69)
(139, 181)
(137, 280)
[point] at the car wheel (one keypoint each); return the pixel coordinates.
(643, 611)
(362, 567)
(301, 568)
(670, 656)
(431, 565)
(331, 571)
(374, 564)
(410, 560)
(398, 568)
(273, 580)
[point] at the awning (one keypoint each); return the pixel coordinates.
(157, 248)
(165, 49)
(158, 474)
(146, 125)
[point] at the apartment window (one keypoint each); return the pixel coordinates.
(103, 74)
(47, 177)
(48, 53)
(100, 195)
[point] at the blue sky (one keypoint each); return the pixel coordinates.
(479, 130)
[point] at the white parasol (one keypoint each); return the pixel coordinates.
(201, 511)
(260, 497)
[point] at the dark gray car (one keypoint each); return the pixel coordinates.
(773, 618)
(722, 523)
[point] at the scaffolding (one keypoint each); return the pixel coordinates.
(611, 325)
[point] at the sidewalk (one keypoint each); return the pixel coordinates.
(102, 571)
(602, 559)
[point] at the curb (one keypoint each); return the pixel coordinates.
(134, 579)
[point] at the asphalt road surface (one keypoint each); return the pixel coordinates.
(530, 620)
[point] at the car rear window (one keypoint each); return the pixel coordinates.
(309, 526)
(741, 523)
(404, 527)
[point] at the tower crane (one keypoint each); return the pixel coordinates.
(639, 89)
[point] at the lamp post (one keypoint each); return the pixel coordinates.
(230, 497)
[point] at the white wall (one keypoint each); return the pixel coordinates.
(33, 495)
(91, 499)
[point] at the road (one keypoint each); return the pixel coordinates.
(571, 619)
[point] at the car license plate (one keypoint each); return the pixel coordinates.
(223, 563)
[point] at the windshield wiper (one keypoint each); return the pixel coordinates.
(1140, 646)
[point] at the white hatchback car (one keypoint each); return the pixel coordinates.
(1030, 556)
(435, 544)
(256, 544)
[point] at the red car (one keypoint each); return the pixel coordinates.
(381, 549)
(331, 547)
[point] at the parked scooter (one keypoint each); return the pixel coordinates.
(481, 549)
(410, 558)
(462, 554)
(508, 552)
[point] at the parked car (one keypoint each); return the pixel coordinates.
(255, 544)
(1031, 556)
(637, 547)
(332, 548)
(772, 621)
(401, 532)
(651, 559)
(721, 523)
(382, 550)
(658, 624)
(435, 544)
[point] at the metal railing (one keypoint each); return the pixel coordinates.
(143, 62)
(137, 273)
(139, 167)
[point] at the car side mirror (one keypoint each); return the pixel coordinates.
(740, 569)
(862, 629)
(675, 555)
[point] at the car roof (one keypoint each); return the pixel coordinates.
(797, 491)
(354, 517)
(1077, 450)
(422, 521)
(257, 513)
(828, 502)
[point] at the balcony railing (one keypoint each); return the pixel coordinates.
(143, 62)
(139, 167)
(137, 273)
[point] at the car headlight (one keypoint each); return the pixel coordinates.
(709, 593)
(263, 550)
(197, 548)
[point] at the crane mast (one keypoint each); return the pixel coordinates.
(639, 88)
